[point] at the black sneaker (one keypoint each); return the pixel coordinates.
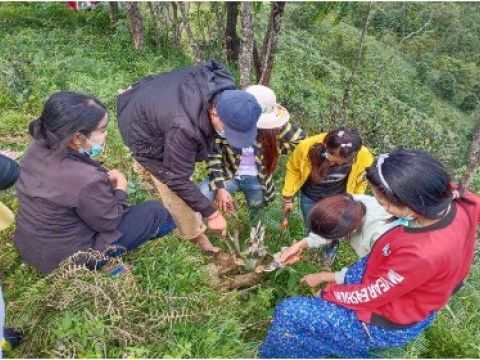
(12, 339)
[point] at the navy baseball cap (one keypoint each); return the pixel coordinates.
(239, 112)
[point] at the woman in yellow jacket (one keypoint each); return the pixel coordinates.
(325, 165)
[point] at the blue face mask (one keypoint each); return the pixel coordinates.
(404, 220)
(325, 155)
(221, 133)
(94, 151)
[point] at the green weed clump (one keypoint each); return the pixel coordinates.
(74, 312)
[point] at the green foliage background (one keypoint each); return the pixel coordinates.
(407, 93)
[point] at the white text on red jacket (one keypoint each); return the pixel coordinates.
(370, 292)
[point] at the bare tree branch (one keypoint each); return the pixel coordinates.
(270, 42)
(424, 26)
(358, 57)
(388, 61)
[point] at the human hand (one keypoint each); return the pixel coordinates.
(224, 201)
(216, 223)
(117, 179)
(314, 280)
(292, 254)
(287, 208)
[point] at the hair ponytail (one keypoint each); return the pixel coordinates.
(35, 129)
(346, 141)
(319, 162)
(64, 114)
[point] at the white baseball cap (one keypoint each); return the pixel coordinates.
(273, 115)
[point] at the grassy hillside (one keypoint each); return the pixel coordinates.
(167, 307)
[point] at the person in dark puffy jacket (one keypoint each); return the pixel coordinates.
(169, 120)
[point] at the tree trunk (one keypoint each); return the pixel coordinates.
(155, 30)
(219, 20)
(270, 42)
(358, 57)
(164, 10)
(176, 25)
(193, 43)
(220, 26)
(246, 56)
(205, 32)
(136, 24)
(232, 40)
(113, 11)
(256, 60)
(473, 157)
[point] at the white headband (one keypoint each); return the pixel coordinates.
(380, 161)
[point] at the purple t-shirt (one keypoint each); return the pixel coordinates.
(247, 163)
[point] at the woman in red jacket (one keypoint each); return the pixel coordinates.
(390, 296)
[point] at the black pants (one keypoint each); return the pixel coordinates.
(141, 223)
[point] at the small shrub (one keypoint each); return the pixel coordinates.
(476, 89)
(445, 86)
(469, 103)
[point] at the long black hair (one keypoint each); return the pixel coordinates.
(346, 140)
(414, 179)
(64, 114)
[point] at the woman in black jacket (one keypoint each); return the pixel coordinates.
(68, 201)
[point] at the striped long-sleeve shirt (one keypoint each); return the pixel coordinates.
(223, 161)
